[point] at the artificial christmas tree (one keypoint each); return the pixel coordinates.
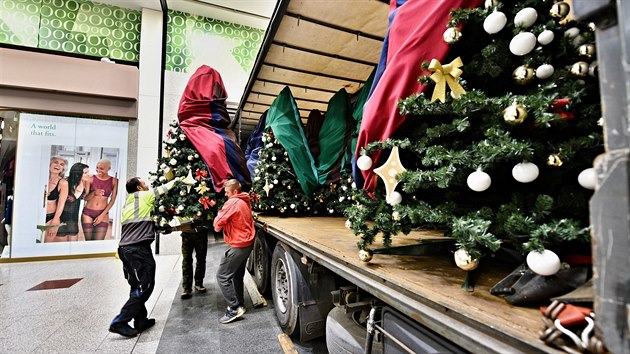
(195, 198)
(497, 158)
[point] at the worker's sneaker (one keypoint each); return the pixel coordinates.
(240, 311)
(232, 314)
(200, 288)
(186, 294)
(144, 325)
(123, 329)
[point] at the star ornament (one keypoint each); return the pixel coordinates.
(267, 187)
(388, 172)
(189, 181)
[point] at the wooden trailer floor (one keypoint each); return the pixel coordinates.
(425, 288)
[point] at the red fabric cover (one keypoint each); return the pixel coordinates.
(235, 218)
(204, 118)
(415, 35)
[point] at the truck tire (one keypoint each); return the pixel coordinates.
(284, 289)
(345, 336)
(260, 262)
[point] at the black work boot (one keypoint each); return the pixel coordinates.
(123, 329)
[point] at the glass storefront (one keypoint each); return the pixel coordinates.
(60, 190)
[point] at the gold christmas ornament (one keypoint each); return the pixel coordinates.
(554, 160)
(587, 50)
(202, 189)
(523, 75)
(515, 114)
(365, 255)
(388, 172)
(580, 69)
(169, 175)
(446, 74)
(452, 35)
(560, 10)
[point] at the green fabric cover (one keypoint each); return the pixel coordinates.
(357, 114)
(334, 136)
(284, 119)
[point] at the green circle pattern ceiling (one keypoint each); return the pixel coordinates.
(81, 27)
(189, 37)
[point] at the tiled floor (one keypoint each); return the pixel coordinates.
(70, 316)
(75, 319)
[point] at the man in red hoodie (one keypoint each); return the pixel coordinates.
(235, 218)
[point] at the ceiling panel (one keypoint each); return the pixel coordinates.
(316, 48)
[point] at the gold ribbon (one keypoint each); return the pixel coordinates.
(446, 74)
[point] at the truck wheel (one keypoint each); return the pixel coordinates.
(260, 263)
(284, 289)
(250, 263)
(344, 335)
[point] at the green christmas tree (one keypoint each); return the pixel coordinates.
(194, 199)
(275, 182)
(501, 163)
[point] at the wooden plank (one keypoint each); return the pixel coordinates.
(286, 344)
(435, 281)
(257, 299)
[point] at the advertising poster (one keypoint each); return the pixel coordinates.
(68, 197)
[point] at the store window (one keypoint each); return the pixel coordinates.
(66, 195)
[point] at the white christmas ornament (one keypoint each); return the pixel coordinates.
(544, 71)
(364, 163)
(526, 17)
(572, 32)
(588, 178)
(478, 181)
(395, 198)
(161, 208)
(545, 37)
(464, 261)
(522, 43)
(182, 137)
(544, 263)
(173, 162)
(494, 22)
(525, 172)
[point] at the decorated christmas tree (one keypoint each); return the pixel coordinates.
(194, 199)
(305, 173)
(275, 181)
(498, 149)
(202, 150)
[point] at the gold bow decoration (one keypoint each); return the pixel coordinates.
(446, 74)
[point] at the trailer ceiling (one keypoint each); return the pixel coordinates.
(316, 48)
